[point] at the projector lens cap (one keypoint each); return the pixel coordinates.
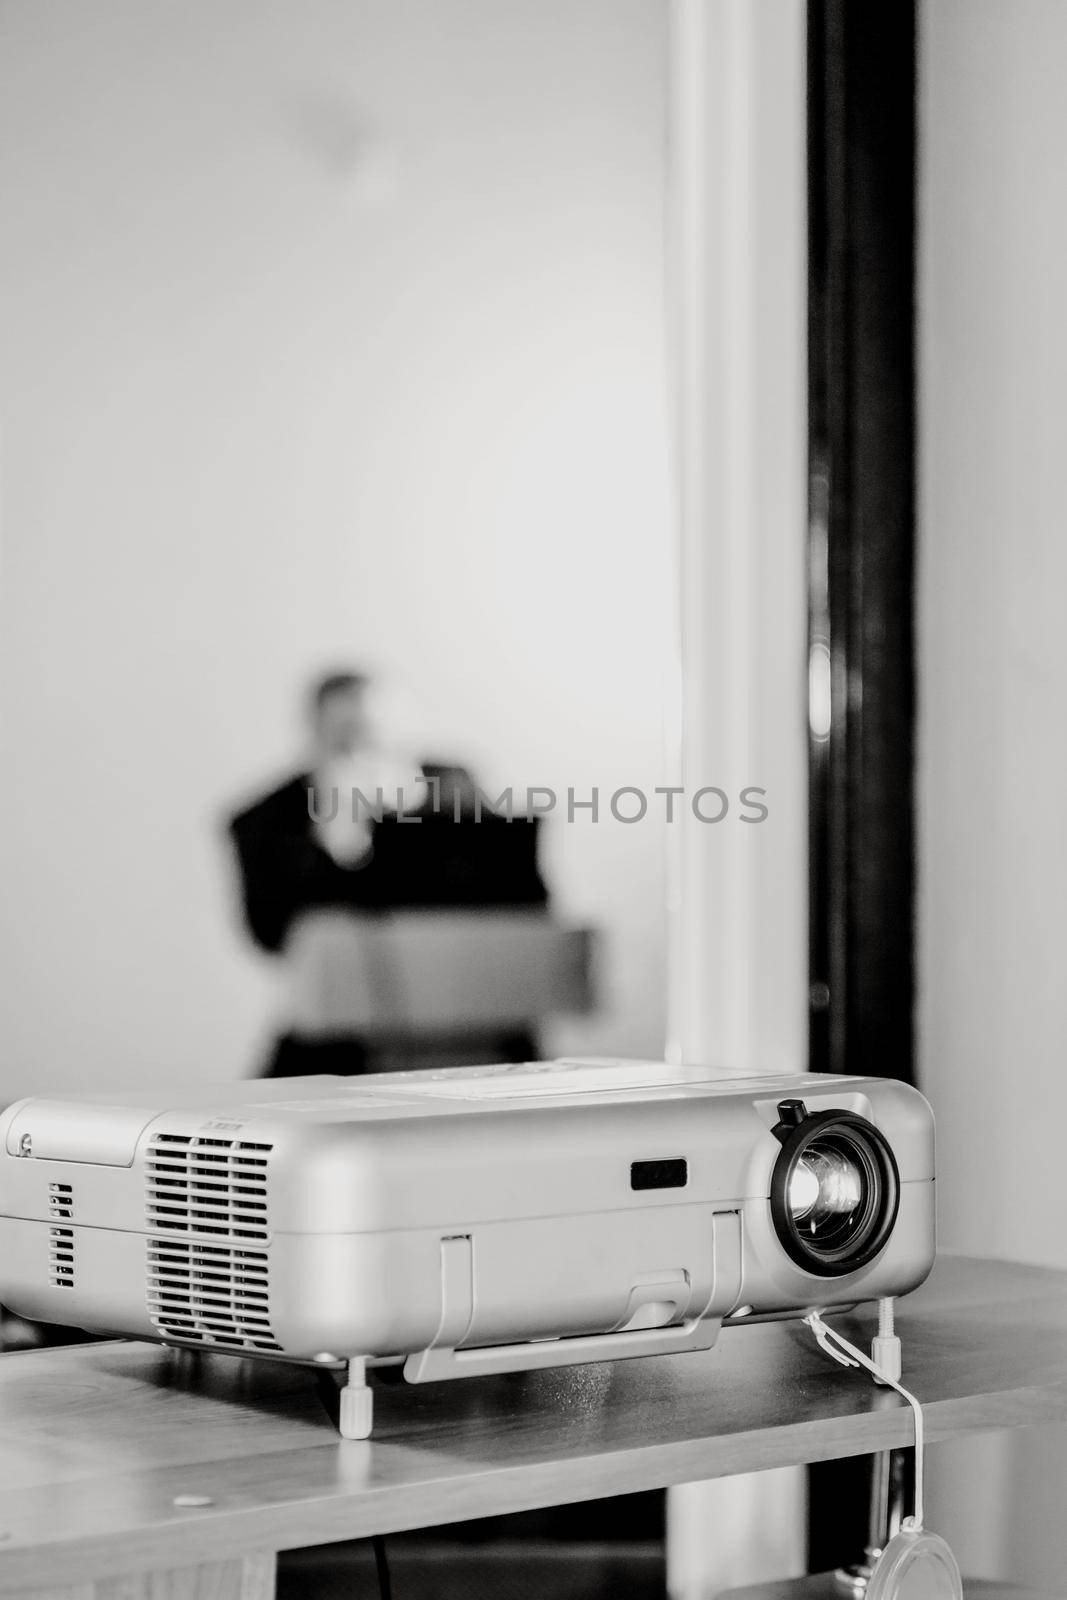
(834, 1190)
(915, 1565)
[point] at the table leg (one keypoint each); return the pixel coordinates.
(246, 1578)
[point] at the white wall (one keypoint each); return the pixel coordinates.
(328, 330)
(993, 682)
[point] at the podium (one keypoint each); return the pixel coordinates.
(411, 978)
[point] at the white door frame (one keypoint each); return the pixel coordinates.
(738, 896)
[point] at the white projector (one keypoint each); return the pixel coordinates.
(481, 1219)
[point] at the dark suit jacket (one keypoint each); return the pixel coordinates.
(435, 861)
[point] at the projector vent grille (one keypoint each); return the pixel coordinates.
(61, 1258)
(207, 1186)
(210, 1294)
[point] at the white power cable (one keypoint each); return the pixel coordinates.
(839, 1348)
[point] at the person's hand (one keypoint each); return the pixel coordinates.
(340, 826)
(351, 792)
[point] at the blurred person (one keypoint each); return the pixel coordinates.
(307, 844)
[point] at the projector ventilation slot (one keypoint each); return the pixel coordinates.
(207, 1186)
(61, 1258)
(210, 1294)
(60, 1200)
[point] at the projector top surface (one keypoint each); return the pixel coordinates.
(511, 1086)
(525, 1139)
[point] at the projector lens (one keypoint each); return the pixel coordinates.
(825, 1185)
(834, 1192)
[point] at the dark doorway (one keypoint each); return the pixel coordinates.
(861, 392)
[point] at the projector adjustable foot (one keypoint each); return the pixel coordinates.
(885, 1347)
(357, 1403)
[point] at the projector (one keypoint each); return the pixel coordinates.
(475, 1220)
